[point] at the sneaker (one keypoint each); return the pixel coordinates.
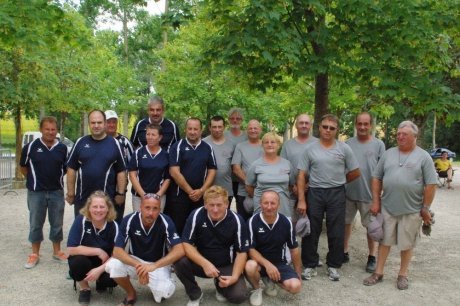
(32, 261)
(270, 287)
(333, 274)
(220, 297)
(60, 257)
(371, 264)
(84, 297)
(195, 302)
(308, 273)
(255, 299)
(320, 263)
(346, 257)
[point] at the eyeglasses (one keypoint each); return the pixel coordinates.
(329, 127)
(151, 195)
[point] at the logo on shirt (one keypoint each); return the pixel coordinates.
(246, 242)
(261, 230)
(187, 149)
(144, 156)
(87, 145)
(137, 232)
(175, 236)
(88, 231)
(39, 150)
(204, 224)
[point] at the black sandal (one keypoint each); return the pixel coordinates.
(127, 302)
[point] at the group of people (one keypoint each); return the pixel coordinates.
(182, 190)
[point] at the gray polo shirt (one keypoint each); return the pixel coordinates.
(327, 167)
(236, 139)
(292, 150)
(245, 154)
(368, 155)
(404, 177)
(223, 153)
(277, 177)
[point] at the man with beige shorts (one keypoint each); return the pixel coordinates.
(407, 176)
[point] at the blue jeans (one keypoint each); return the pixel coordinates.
(38, 203)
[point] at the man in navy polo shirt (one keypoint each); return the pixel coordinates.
(95, 163)
(43, 164)
(150, 234)
(155, 109)
(192, 166)
(269, 233)
(215, 243)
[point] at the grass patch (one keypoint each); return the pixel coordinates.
(8, 133)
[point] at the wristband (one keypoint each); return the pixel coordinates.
(119, 194)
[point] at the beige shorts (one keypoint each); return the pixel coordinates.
(402, 231)
(352, 208)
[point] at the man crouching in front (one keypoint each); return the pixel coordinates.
(215, 243)
(150, 234)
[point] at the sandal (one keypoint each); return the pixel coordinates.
(127, 302)
(402, 282)
(373, 279)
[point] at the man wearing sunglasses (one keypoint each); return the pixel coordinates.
(328, 164)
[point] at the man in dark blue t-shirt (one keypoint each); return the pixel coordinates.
(43, 164)
(150, 234)
(192, 166)
(215, 243)
(270, 232)
(95, 163)
(155, 109)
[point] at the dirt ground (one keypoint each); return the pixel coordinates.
(433, 273)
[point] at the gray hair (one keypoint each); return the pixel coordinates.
(410, 125)
(234, 110)
(156, 99)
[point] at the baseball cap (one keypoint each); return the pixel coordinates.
(375, 227)
(248, 204)
(302, 227)
(110, 114)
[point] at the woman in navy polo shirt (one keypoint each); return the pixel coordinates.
(149, 168)
(90, 244)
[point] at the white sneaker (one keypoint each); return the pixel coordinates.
(220, 297)
(308, 273)
(333, 274)
(255, 299)
(270, 287)
(195, 302)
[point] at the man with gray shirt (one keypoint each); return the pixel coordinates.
(329, 164)
(245, 154)
(223, 151)
(407, 177)
(367, 150)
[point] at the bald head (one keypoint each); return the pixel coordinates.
(254, 130)
(303, 125)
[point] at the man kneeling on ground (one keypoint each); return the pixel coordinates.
(269, 233)
(215, 243)
(150, 234)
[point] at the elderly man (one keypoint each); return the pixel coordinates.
(149, 234)
(269, 233)
(192, 166)
(43, 164)
(245, 154)
(155, 109)
(368, 150)
(330, 164)
(126, 147)
(96, 163)
(407, 177)
(215, 243)
(223, 151)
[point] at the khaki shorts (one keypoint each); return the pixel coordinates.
(402, 231)
(352, 208)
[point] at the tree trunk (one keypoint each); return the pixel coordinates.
(321, 99)
(18, 129)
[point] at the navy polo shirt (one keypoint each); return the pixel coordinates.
(84, 233)
(97, 162)
(270, 239)
(152, 169)
(217, 242)
(169, 128)
(45, 166)
(193, 161)
(126, 147)
(149, 245)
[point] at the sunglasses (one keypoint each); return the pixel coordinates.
(329, 127)
(151, 195)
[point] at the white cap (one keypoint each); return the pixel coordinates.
(110, 114)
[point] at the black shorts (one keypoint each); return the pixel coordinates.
(286, 272)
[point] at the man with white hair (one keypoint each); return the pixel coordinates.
(407, 177)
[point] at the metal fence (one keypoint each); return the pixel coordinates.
(6, 169)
